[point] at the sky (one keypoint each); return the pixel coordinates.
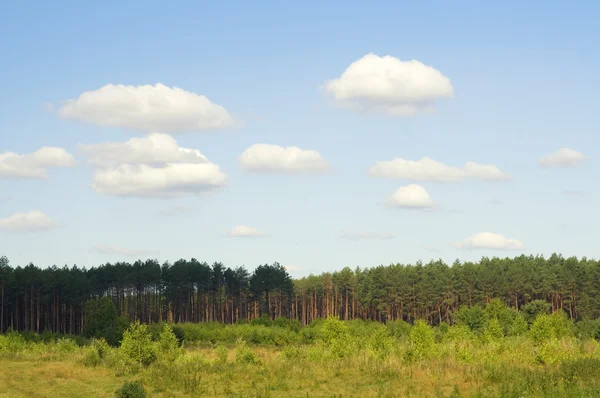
(318, 135)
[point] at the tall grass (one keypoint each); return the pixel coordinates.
(336, 358)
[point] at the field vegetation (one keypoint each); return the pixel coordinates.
(488, 352)
(522, 327)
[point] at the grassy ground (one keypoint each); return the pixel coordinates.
(340, 362)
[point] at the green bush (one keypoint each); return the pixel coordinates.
(474, 317)
(534, 309)
(132, 389)
(399, 328)
(244, 354)
(546, 327)
(422, 340)
(137, 345)
(101, 320)
(492, 331)
(222, 354)
(337, 337)
(168, 345)
(519, 326)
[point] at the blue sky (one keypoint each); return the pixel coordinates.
(524, 80)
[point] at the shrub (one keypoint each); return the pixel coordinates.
(399, 328)
(497, 309)
(132, 389)
(168, 344)
(101, 320)
(422, 340)
(474, 317)
(534, 309)
(519, 326)
(337, 337)
(264, 320)
(244, 354)
(381, 341)
(222, 354)
(459, 333)
(137, 345)
(546, 327)
(493, 331)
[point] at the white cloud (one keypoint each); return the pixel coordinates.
(152, 166)
(154, 149)
(34, 165)
(242, 231)
(489, 240)
(564, 157)
(292, 268)
(147, 108)
(113, 250)
(172, 180)
(278, 159)
(365, 235)
(410, 196)
(427, 169)
(176, 211)
(27, 222)
(389, 85)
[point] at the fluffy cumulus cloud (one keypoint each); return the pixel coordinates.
(389, 85)
(156, 148)
(411, 196)
(564, 157)
(242, 231)
(278, 159)
(428, 169)
(115, 250)
(147, 108)
(365, 235)
(27, 222)
(489, 240)
(152, 166)
(34, 165)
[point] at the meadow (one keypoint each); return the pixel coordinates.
(488, 352)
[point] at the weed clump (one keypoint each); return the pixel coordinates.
(132, 389)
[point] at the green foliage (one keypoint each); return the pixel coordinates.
(422, 340)
(519, 326)
(534, 309)
(168, 344)
(132, 389)
(459, 333)
(588, 329)
(546, 327)
(399, 328)
(474, 317)
(492, 331)
(337, 337)
(137, 345)
(497, 309)
(381, 341)
(264, 320)
(222, 354)
(12, 342)
(101, 321)
(245, 354)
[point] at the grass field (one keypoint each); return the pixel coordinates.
(340, 359)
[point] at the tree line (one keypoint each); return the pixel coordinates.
(37, 299)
